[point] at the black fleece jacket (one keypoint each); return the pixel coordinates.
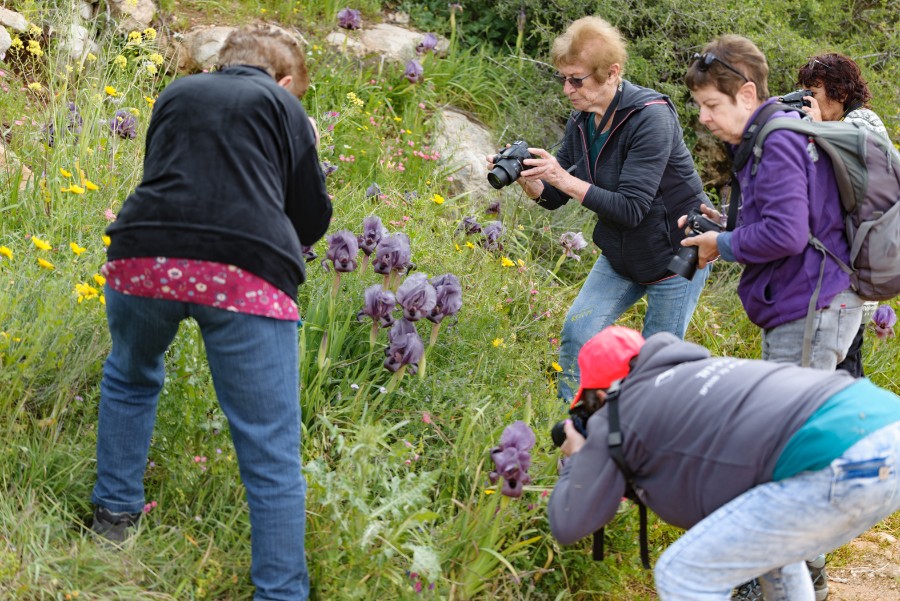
(643, 181)
(231, 175)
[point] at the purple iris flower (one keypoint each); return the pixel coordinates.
(123, 124)
(883, 321)
(349, 18)
(428, 44)
(448, 297)
(414, 71)
(417, 297)
(513, 458)
(572, 242)
(392, 254)
(308, 253)
(373, 232)
(328, 168)
(469, 225)
(493, 208)
(342, 251)
(405, 348)
(379, 305)
(492, 233)
(373, 190)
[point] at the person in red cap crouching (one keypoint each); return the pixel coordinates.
(764, 464)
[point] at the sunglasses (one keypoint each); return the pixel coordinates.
(706, 60)
(575, 82)
(814, 61)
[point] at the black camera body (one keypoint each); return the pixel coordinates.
(685, 262)
(797, 99)
(579, 415)
(508, 164)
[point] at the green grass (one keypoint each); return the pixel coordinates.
(397, 479)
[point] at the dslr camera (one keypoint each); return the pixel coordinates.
(508, 164)
(797, 99)
(685, 262)
(579, 415)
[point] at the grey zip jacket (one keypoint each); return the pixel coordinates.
(697, 432)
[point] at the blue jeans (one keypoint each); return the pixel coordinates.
(606, 295)
(770, 530)
(253, 361)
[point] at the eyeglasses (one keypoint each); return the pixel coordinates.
(576, 82)
(704, 62)
(814, 61)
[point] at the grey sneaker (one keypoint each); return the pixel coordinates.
(749, 591)
(819, 577)
(113, 526)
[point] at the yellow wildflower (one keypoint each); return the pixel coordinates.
(89, 184)
(40, 243)
(489, 491)
(120, 61)
(17, 43)
(355, 99)
(470, 245)
(497, 342)
(150, 34)
(106, 240)
(102, 300)
(134, 36)
(520, 263)
(150, 101)
(91, 56)
(438, 199)
(46, 264)
(65, 173)
(36, 86)
(99, 279)
(556, 366)
(151, 69)
(6, 252)
(156, 58)
(110, 91)
(35, 30)
(69, 69)
(457, 247)
(86, 292)
(398, 119)
(506, 262)
(76, 249)
(34, 47)
(134, 111)
(74, 189)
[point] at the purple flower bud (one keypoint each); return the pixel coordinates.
(123, 124)
(349, 18)
(414, 71)
(513, 458)
(392, 254)
(883, 321)
(328, 168)
(308, 253)
(373, 232)
(571, 242)
(379, 305)
(428, 44)
(342, 251)
(373, 190)
(417, 297)
(492, 233)
(448, 297)
(405, 348)
(469, 225)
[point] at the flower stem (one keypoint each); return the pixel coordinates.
(435, 328)
(373, 334)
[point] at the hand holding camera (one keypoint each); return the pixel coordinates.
(685, 263)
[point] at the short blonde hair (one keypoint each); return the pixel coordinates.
(271, 49)
(593, 42)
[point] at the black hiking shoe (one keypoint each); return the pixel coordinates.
(112, 526)
(749, 591)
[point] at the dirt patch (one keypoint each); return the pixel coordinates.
(872, 572)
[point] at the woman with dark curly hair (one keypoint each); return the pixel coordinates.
(839, 91)
(841, 94)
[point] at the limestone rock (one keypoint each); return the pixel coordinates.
(394, 43)
(132, 15)
(202, 45)
(10, 164)
(77, 42)
(86, 10)
(13, 20)
(5, 42)
(464, 144)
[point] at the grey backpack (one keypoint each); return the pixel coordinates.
(867, 170)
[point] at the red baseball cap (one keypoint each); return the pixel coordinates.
(605, 357)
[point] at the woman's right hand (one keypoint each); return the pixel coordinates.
(813, 110)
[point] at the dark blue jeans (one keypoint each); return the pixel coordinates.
(253, 361)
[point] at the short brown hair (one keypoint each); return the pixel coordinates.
(839, 75)
(593, 39)
(270, 48)
(741, 54)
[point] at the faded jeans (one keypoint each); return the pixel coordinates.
(606, 295)
(253, 361)
(835, 327)
(770, 530)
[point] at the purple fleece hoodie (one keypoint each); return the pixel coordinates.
(789, 196)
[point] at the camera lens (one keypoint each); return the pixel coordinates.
(504, 173)
(685, 262)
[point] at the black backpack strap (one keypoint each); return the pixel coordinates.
(614, 440)
(746, 148)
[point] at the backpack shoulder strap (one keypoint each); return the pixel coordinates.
(614, 440)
